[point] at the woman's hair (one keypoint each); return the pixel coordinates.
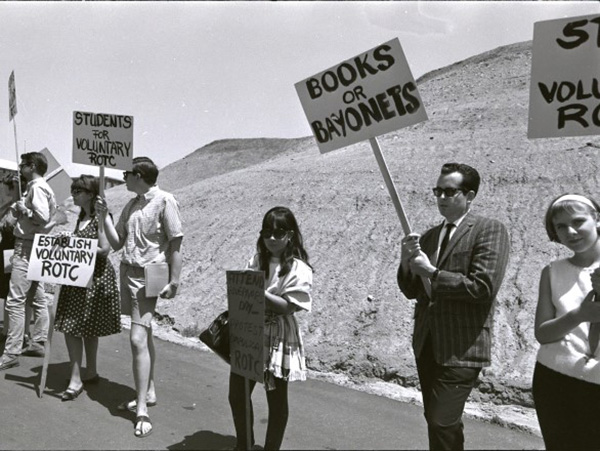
(569, 205)
(281, 218)
(90, 184)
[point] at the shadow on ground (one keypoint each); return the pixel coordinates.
(205, 440)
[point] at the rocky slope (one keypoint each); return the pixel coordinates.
(361, 324)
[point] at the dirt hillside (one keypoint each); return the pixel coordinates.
(361, 324)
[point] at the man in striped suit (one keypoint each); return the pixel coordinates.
(149, 231)
(454, 272)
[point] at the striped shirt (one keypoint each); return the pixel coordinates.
(39, 199)
(148, 223)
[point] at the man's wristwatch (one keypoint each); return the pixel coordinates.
(435, 274)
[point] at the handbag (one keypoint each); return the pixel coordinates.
(216, 336)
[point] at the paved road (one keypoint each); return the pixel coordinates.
(192, 410)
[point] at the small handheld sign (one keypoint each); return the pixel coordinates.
(65, 260)
(12, 97)
(246, 302)
(361, 98)
(12, 112)
(62, 260)
(564, 98)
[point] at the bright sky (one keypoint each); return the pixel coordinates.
(194, 72)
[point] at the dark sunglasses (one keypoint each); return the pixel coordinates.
(447, 192)
(278, 234)
(127, 173)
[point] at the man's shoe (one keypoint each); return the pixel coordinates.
(7, 362)
(34, 350)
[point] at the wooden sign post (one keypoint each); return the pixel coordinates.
(246, 302)
(361, 98)
(62, 260)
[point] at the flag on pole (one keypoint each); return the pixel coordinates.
(12, 97)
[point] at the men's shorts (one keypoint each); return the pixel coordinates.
(133, 296)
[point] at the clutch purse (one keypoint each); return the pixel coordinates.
(216, 336)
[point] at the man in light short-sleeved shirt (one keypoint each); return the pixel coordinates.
(149, 231)
(34, 213)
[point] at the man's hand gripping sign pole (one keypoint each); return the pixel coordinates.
(361, 98)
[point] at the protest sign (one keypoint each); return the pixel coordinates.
(104, 140)
(12, 97)
(564, 98)
(361, 98)
(64, 260)
(12, 108)
(246, 300)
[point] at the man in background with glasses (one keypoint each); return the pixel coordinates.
(464, 259)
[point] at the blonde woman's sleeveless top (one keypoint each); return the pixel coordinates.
(571, 356)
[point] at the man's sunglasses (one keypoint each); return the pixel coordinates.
(447, 192)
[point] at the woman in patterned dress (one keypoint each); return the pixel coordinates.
(84, 314)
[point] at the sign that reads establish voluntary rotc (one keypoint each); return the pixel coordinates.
(361, 98)
(64, 260)
(564, 97)
(246, 299)
(103, 140)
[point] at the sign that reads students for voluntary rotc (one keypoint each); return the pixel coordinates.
(64, 260)
(103, 140)
(564, 98)
(361, 98)
(246, 301)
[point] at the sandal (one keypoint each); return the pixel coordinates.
(139, 421)
(69, 394)
(132, 405)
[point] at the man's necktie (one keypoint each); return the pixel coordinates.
(445, 241)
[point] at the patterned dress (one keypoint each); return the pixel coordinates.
(94, 311)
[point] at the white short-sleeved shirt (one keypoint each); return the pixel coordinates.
(148, 223)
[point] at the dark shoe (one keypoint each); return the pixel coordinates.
(7, 362)
(69, 394)
(35, 349)
(139, 423)
(91, 380)
(132, 405)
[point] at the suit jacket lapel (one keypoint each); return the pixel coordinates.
(462, 229)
